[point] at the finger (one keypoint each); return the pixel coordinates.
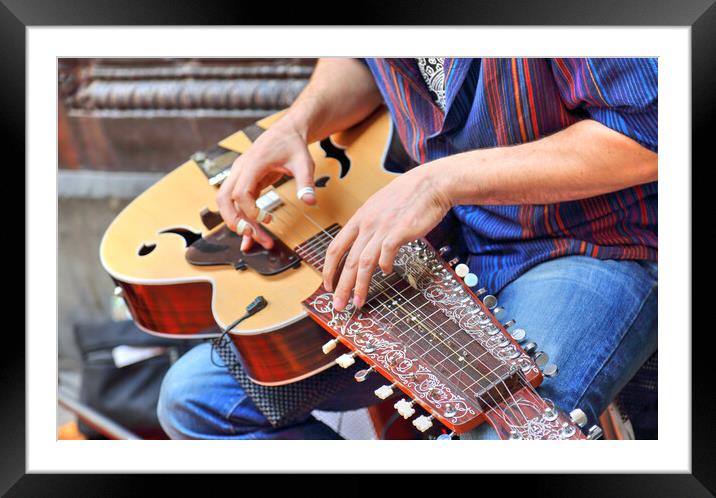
(245, 194)
(388, 250)
(225, 203)
(366, 266)
(302, 171)
(227, 209)
(246, 242)
(346, 282)
(337, 248)
(254, 231)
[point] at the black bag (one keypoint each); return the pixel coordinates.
(128, 394)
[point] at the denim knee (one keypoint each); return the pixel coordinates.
(197, 398)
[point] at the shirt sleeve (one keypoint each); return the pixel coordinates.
(621, 93)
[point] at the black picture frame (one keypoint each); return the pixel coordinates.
(700, 15)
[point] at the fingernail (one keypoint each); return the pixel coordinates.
(338, 303)
(245, 242)
(358, 301)
(304, 192)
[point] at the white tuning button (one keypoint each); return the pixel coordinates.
(462, 269)
(578, 417)
(118, 291)
(329, 346)
(405, 408)
(423, 423)
(470, 280)
(345, 360)
(384, 392)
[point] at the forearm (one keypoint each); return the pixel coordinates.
(341, 93)
(581, 161)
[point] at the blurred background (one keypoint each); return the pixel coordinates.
(123, 124)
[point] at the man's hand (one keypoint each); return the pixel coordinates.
(341, 93)
(408, 208)
(281, 150)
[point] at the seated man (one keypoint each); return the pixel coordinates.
(550, 168)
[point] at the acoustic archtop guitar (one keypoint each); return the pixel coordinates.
(182, 273)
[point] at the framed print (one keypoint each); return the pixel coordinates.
(571, 113)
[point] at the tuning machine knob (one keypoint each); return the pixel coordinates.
(346, 360)
(541, 359)
(461, 270)
(550, 370)
(595, 432)
(329, 346)
(423, 423)
(578, 417)
(519, 335)
(405, 408)
(445, 437)
(530, 348)
(490, 301)
(384, 392)
(361, 375)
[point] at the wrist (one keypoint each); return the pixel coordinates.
(445, 178)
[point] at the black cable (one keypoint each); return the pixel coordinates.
(253, 307)
(390, 422)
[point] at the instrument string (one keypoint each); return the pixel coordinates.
(315, 249)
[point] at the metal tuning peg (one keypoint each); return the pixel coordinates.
(423, 423)
(453, 261)
(550, 370)
(329, 346)
(541, 359)
(490, 301)
(384, 392)
(405, 408)
(509, 323)
(519, 335)
(578, 417)
(567, 431)
(118, 291)
(445, 437)
(482, 290)
(595, 432)
(346, 360)
(530, 348)
(361, 375)
(444, 250)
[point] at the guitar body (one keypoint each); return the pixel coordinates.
(145, 251)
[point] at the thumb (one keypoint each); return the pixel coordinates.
(303, 174)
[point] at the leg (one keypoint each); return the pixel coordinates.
(201, 400)
(596, 319)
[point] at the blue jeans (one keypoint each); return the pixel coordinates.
(596, 319)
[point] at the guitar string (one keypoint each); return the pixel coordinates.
(499, 378)
(327, 235)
